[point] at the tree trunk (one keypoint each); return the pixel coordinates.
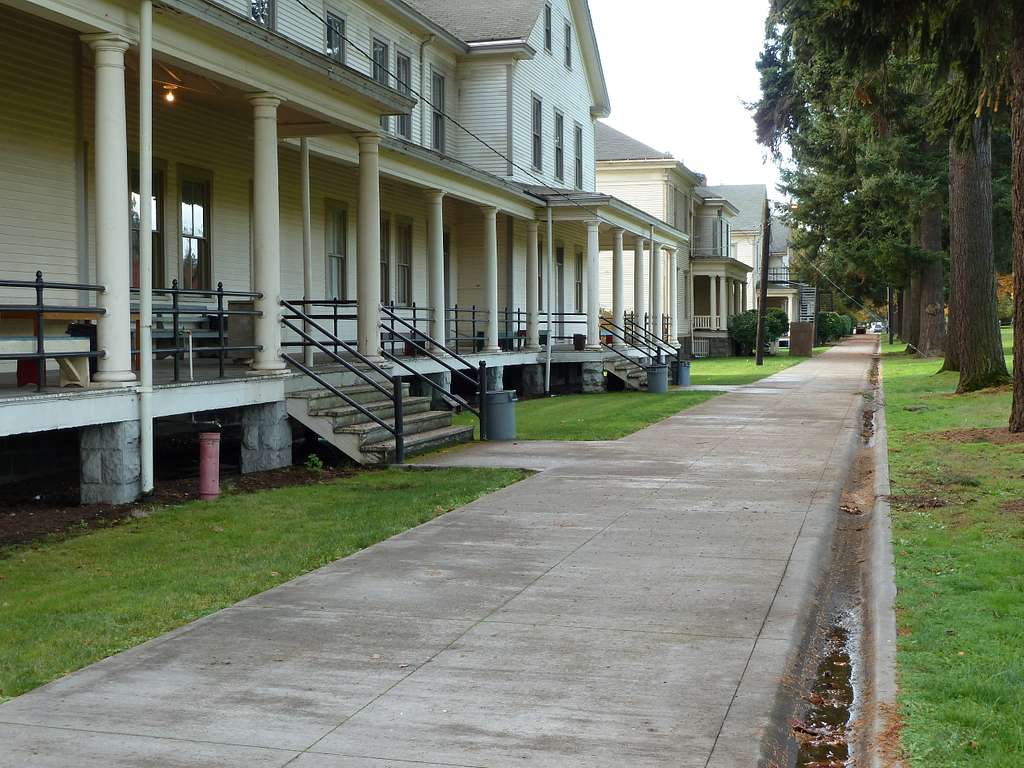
(932, 298)
(912, 313)
(901, 302)
(1017, 142)
(974, 344)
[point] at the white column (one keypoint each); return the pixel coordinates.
(112, 244)
(743, 294)
(435, 264)
(594, 284)
(723, 300)
(737, 288)
(532, 288)
(713, 295)
(368, 247)
(657, 288)
(673, 298)
(266, 228)
(307, 240)
(491, 277)
(638, 281)
(618, 282)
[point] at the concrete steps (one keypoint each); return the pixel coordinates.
(631, 376)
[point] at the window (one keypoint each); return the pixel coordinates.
(559, 146)
(381, 56)
(157, 228)
(547, 28)
(568, 45)
(437, 128)
(578, 287)
(403, 264)
(385, 260)
(578, 157)
(337, 251)
(538, 126)
(195, 233)
(335, 38)
(403, 73)
(262, 12)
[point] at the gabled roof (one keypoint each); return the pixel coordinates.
(611, 144)
(476, 21)
(749, 200)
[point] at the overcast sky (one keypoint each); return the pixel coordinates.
(679, 72)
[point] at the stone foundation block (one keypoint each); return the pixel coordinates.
(592, 379)
(533, 379)
(266, 437)
(109, 463)
(495, 378)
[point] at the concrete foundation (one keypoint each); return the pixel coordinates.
(437, 402)
(720, 346)
(592, 378)
(266, 437)
(110, 465)
(533, 379)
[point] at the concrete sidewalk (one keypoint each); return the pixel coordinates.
(633, 604)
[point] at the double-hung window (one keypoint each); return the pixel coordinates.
(437, 126)
(381, 58)
(559, 146)
(403, 264)
(538, 133)
(578, 156)
(156, 209)
(568, 45)
(578, 287)
(196, 269)
(385, 259)
(262, 13)
(337, 250)
(403, 73)
(335, 48)
(547, 28)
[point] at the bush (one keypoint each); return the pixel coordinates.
(743, 328)
(833, 326)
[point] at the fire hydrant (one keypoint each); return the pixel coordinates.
(209, 465)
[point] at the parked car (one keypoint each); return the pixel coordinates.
(878, 327)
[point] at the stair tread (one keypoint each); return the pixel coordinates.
(320, 392)
(373, 405)
(411, 418)
(420, 437)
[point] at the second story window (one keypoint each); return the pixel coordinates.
(568, 45)
(437, 126)
(559, 146)
(335, 38)
(403, 73)
(262, 12)
(578, 156)
(538, 133)
(381, 55)
(547, 28)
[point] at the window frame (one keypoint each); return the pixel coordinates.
(381, 73)
(187, 174)
(403, 123)
(334, 213)
(537, 132)
(568, 45)
(159, 193)
(559, 145)
(577, 140)
(385, 258)
(438, 124)
(577, 289)
(548, 28)
(271, 21)
(331, 15)
(403, 283)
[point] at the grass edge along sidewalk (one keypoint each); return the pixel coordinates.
(958, 539)
(66, 603)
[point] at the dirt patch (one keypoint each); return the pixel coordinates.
(31, 514)
(918, 501)
(1013, 507)
(1000, 436)
(888, 741)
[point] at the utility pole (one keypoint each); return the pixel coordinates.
(762, 290)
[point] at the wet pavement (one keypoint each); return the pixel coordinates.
(633, 604)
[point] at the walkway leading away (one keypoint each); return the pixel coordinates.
(631, 605)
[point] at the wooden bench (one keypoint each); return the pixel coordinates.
(74, 369)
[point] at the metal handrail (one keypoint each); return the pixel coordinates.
(38, 310)
(397, 429)
(648, 350)
(653, 340)
(610, 328)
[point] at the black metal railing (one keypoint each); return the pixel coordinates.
(39, 312)
(182, 334)
(423, 344)
(333, 312)
(629, 340)
(559, 323)
(302, 324)
(779, 275)
(654, 341)
(416, 318)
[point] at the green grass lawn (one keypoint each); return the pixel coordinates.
(67, 603)
(741, 370)
(958, 528)
(603, 416)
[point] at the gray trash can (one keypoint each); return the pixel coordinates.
(681, 372)
(657, 378)
(501, 414)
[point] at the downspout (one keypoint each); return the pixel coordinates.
(423, 116)
(145, 389)
(547, 303)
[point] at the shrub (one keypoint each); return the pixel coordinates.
(833, 326)
(743, 328)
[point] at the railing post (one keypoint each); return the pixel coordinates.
(396, 382)
(174, 326)
(220, 326)
(40, 334)
(481, 387)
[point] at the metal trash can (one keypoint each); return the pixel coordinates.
(501, 415)
(681, 372)
(657, 378)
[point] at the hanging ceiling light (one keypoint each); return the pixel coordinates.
(169, 93)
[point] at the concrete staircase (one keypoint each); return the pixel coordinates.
(632, 377)
(362, 439)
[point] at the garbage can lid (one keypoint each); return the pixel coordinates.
(501, 395)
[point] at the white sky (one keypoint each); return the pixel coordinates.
(679, 72)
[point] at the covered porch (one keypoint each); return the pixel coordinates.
(719, 292)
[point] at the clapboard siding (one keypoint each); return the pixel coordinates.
(482, 92)
(39, 203)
